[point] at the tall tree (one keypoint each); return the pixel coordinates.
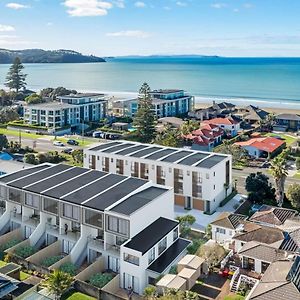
(293, 194)
(189, 126)
(15, 79)
(169, 137)
(144, 120)
(57, 283)
(279, 172)
(237, 153)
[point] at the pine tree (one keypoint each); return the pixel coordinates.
(144, 120)
(15, 79)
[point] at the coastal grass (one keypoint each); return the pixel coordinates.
(290, 140)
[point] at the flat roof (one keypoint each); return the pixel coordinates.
(93, 189)
(167, 258)
(109, 197)
(137, 201)
(81, 95)
(20, 174)
(37, 176)
(51, 105)
(151, 235)
(181, 156)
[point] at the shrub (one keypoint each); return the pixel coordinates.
(100, 279)
(298, 163)
(49, 261)
(68, 268)
(173, 270)
(25, 251)
(10, 244)
(193, 248)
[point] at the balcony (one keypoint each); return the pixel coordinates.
(96, 242)
(73, 234)
(113, 249)
(52, 229)
(32, 221)
(16, 217)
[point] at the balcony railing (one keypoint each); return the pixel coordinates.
(17, 217)
(32, 220)
(96, 242)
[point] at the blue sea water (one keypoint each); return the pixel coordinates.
(262, 81)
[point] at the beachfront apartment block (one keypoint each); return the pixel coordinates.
(68, 111)
(201, 180)
(95, 215)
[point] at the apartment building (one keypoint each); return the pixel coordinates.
(95, 214)
(70, 110)
(201, 180)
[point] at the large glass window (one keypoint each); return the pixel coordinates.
(32, 200)
(71, 211)
(50, 205)
(15, 195)
(118, 225)
(151, 255)
(175, 234)
(131, 259)
(162, 245)
(93, 218)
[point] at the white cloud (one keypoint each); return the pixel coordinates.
(182, 4)
(140, 4)
(6, 28)
(13, 41)
(218, 5)
(167, 8)
(16, 6)
(130, 33)
(49, 24)
(119, 3)
(87, 8)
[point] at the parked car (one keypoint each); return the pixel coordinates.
(58, 143)
(72, 142)
(67, 151)
(97, 134)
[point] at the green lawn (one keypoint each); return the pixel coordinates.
(297, 176)
(2, 263)
(234, 297)
(288, 139)
(23, 275)
(76, 296)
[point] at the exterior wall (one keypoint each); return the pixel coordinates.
(252, 151)
(221, 237)
(213, 179)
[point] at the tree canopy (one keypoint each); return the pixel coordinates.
(144, 120)
(235, 151)
(3, 142)
(169, 137)
(34, 99)
(293, 194)
(15, 79)
(8, 114)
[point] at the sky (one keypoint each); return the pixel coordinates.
(244, 28)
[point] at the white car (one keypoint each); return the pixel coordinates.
(58, 143)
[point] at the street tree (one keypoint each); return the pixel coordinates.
(185, 223)
(144, 120)
(212, 253)
(237, 152)
(293, 194)
(3, 142)
(8, 114)
(15, 79)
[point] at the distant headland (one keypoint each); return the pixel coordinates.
(47, 56)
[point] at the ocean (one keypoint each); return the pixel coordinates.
(267, 82)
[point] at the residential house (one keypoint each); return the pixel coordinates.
(201, 180)
(69, 112)
(287, 122)
(225, 227)
(95, 215)
(172, 121)
(229, 125)
(251, 114)
(262, 147)
(222, 109)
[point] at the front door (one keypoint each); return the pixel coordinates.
(131, 282)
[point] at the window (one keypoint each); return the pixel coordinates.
(162, 246)
(151, 255)
(50, 205)
(175, 234)
(131, 259)
(221, 230)
(32, 200)
(15, 195)
(93, 218)
(71, 211)
(118, 225)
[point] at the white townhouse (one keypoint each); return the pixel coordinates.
(69, 111)
(94, 215)
(201, 180)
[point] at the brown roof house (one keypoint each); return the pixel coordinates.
(280, 281)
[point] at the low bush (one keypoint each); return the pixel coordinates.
(193, 248)
(8, 245)
(68, 268)
(100, 279)
(25, 251)
(49, 261)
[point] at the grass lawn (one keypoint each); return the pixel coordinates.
(297, 176)
(234, 297)
(288, 139)
(24, 276)
(76, 296)
(2, 263)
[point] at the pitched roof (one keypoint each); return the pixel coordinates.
(228, 220)
(293, 117)
(256, 113)
(268, 144)
(221, 121)
(272, 215)
(262, 252)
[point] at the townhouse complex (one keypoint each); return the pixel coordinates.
(70, 110)
(94, 215)
(201, 180)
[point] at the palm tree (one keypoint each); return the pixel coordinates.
(279, 172)
(57, 283)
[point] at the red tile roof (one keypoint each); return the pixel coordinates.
(268, 144)
(221, 121)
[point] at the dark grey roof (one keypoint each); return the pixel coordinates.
(131, 149)
(117, 148)
(105, 145)
(293, 117)
(55, 180)
(22, 173)
(135, 202)
(145, 152)
(161, 154)
(112, 195)
(211, 161)
(151, 235)
(37, 176)
(74, 184)
(176, 156)
(168, 257)
(93, 189)
(193, 159)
